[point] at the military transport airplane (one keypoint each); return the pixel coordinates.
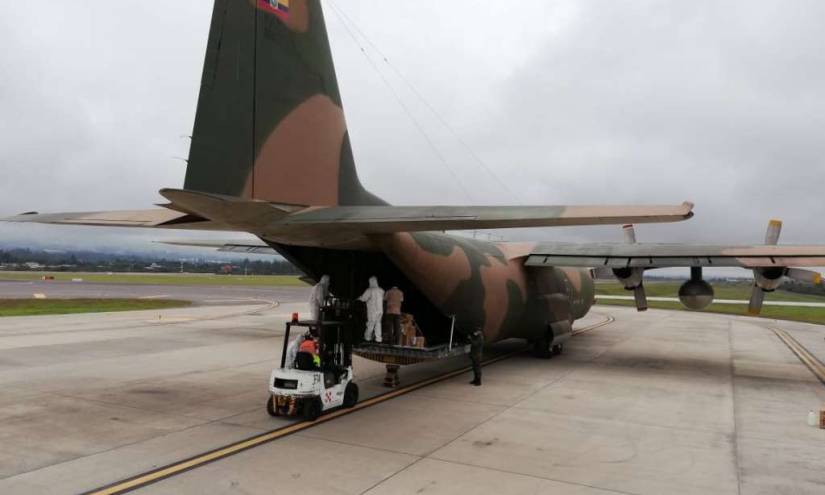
(271, 156)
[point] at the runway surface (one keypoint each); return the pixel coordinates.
(198, 294)
(658, 402)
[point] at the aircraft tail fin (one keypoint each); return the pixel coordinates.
(270, 124)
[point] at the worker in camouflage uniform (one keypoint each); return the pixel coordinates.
(476, 346)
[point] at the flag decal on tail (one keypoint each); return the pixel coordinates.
(277, 7)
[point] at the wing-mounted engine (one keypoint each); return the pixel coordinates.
(632, 278)
(768, 279)
(627, 261)
(697, 294)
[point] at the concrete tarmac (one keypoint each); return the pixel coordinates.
(658, 402)
(198, 294)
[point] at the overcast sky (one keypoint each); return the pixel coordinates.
(577, 102)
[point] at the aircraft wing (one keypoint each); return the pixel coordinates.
(641, 255)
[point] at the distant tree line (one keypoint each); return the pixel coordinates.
(803, 288)
(88, 261)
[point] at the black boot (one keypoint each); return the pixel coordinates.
(476, 382)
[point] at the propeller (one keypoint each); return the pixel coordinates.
(757, 292)
(801, 275)
(772, 234)
(768, 279)
(757, 298)
(634, 276)
(629, 234)
(640, 297)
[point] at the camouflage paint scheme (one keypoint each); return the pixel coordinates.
(270, 123)
(301, 155)
(486, 285)
(271, 155)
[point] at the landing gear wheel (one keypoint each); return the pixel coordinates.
(541, 346)
(313, 409)
(350, 395)
(558, 349)
(270, 407)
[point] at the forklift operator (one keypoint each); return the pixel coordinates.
(308, 357)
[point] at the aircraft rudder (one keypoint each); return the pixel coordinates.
(270, 123)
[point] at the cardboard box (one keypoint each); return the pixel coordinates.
(409, 337)
(409, 330)
(822, 419)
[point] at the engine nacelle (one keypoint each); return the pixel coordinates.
(696, 294)
(632, 279)
(768, 279)
(629, 277)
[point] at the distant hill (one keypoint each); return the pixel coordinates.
(32, 259)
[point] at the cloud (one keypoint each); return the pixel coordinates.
(643, 102)
(564, 102)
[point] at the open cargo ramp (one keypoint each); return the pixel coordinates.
(403, 355)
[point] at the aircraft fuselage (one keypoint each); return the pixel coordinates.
(483, 284)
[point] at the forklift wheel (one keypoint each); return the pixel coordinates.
(313, 409)
(270, 407)
(350, 395)
(558, 349)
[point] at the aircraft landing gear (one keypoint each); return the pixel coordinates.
(391, 379)
(543, 348)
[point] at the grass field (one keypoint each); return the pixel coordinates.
(723, 290)
(163, 278)
(31, 307)
(739, 291)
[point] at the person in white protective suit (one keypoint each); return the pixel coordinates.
(319, 293)
(374, 299)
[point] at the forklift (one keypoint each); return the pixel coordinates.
(313, 385)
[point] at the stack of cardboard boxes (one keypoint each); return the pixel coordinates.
(411, 335)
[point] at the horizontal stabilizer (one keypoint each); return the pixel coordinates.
(247, 215)
(345, 225)
(155, 218)
(617, 255)
(328, 225)
(252, 246)
(386, 219)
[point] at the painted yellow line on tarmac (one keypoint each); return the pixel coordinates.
(815, 365)
(179, 467)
